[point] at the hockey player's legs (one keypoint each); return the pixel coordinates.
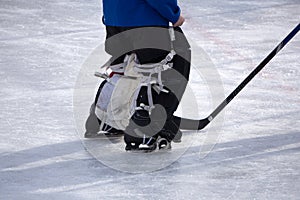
(157, 46)
(175, 79)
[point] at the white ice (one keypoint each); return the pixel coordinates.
(250, 151)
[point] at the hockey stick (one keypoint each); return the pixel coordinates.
(190, 124)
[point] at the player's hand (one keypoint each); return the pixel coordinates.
(179, 22)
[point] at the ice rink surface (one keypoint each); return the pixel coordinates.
(251, 151)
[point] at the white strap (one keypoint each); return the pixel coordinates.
(172, 33)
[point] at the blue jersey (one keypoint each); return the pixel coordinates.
(133, 13)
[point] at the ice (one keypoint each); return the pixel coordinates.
(250, 151)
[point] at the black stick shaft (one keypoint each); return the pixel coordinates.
(254, 72)
(200, 124)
